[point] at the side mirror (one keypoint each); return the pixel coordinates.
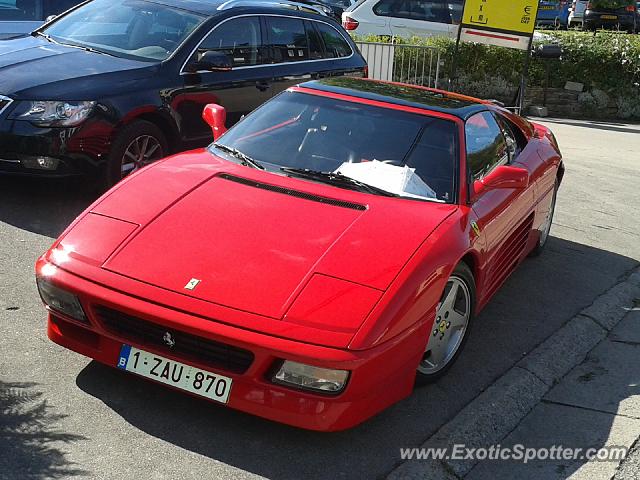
(504, 176)
(216, 116)
(211, 61)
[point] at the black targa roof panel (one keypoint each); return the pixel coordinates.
(398, 94)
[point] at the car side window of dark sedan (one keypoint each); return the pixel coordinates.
(316, 49)
(239, 38)
(288, 39)
(16, 10)
(56, 7)
(486, 145)
(336, 46)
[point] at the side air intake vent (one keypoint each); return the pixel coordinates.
(293, 193)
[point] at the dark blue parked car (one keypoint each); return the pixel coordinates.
(553, 13)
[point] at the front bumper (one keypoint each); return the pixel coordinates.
(27, 150)
(379, 377)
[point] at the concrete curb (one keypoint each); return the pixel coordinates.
(493, 414)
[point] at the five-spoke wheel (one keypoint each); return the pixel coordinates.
(451, 325)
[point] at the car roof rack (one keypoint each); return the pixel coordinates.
(302, 7)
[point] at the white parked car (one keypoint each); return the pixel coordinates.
(404, 18)
(576, 12)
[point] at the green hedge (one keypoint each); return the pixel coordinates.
(607, 61)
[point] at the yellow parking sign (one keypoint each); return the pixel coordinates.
(507, 23)
(513, 16)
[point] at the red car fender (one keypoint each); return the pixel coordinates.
(411, 301)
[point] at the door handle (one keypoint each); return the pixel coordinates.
(263, 86)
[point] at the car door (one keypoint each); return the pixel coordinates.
(541, 176)
(504, 214)
(242, 89)
(422, 18)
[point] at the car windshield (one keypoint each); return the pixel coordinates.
(406, 154)
(129, 28)
(20, 10)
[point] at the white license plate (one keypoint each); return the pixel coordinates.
(185, 377)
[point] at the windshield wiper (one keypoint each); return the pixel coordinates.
(43, 35)
(81, 47)
(337, 179)
(93, 50)
(246, 160)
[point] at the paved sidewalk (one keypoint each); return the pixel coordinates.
(596, 405)
(580, 389)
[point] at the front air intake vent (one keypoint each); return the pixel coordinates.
(293, 193)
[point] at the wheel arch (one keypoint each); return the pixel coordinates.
(560, 174)
(161, 120)
(167, 125)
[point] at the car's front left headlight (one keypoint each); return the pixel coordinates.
(54, 114)
(308, 377)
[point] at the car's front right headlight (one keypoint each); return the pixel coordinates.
(60, 300)
(54, 114)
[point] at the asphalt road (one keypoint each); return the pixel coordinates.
(64, 416)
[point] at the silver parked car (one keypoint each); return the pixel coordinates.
(20, 17)
(576, 13)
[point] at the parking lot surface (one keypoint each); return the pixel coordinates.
(67, 417)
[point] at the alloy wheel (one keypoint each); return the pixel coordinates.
(546, 227)
(142, 151)
(452, 320)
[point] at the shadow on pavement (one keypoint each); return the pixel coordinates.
(612, 127)
(540, 297)
(42, 206)
(30, 441)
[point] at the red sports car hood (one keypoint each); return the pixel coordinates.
(252, 240)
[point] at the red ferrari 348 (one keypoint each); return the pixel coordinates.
(319, 259)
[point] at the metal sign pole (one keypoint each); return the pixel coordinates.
(525, 76)
(454, 62)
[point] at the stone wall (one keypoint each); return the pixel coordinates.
(570, 104)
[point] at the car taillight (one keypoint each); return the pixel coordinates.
(631, 8)
(349, 23)
(366, 71)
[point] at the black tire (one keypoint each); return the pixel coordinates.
(544, 239)
(463, 273)
(128, 134)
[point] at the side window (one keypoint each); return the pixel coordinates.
(439, 11)
(240, 39)
(486, 145)
(336, 45)
(21, 10)
(316, 51)
(516, 141)
(288, 39)
(55, 7)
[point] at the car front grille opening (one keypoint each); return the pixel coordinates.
(186, 346)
